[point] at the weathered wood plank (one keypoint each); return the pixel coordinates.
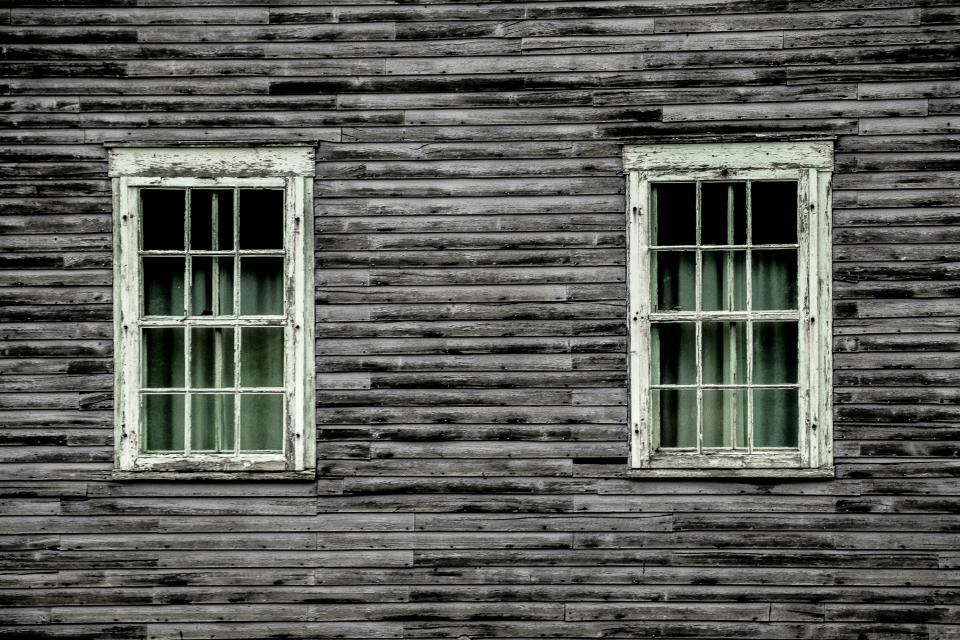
(416, 206)
(822, 20)
(894, 90)
(476, 328)
(469, 169)
(662, 575)
(470, 149)
(505, 345)
(182, 15)
(486, 311)
(800, 109)
(435, 467)
(469, 276)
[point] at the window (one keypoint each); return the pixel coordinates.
(729, 317)
(213, 284)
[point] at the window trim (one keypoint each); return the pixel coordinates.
(810, 161)
(291, 167)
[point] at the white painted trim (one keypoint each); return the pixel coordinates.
(213, 162)
(207, 183)
(292, 170)
(810, 164)
(730, 155)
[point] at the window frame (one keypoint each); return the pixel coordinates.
(288, 167)
(810, 162)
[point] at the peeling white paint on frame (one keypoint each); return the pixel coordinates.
(809, 163)
(290, 168)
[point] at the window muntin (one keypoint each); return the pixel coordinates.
(729, 281)
(214, 311)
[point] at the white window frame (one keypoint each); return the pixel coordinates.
(288, 167)
(810, 163)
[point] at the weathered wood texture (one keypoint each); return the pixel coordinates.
(470, 322)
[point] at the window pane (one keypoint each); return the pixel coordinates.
(163, 422)
(723, 213)
(775, 352)
(163, 286)
(203, 294)
(724, 285)
(261, 422)
(211, 357)
(674, 357)
(675, 213)
(776, 418)
(724, 414)
(261, 219)
(162, 213)
(773, 206)
(209, 231)
(211, 427)
(261, 286)
(674, 282)
(163, 355)
(675, 415)
(774, 279)
(261, 356)
(724, 352)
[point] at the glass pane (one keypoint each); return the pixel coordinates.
(261, 422)
(162, 213)
(724, 286)
(211, 426)
(211, 219)
(774, 282)
(163, 422)
(212, 290)
(724, 352)
(674, 282)
(261, 219)
(674, 357)
(675, 415)
(163, 286)
(211, 357)
(724, 414)
(776, 418)
(773, 206)
(723, 213)
(261, 286)
(163, 355)
(261, 356)
(775, 349)
(675, 213)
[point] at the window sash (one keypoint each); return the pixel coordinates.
(738, 430)
(225, 321)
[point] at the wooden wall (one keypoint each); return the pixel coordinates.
(471, 344)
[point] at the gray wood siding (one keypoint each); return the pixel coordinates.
(471, 322)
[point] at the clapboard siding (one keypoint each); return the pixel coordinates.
(471, 335)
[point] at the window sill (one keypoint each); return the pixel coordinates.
(248, 476)
(740, 472)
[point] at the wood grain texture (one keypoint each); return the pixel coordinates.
(471, 342)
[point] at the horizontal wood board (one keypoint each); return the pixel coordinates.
(471, 340)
